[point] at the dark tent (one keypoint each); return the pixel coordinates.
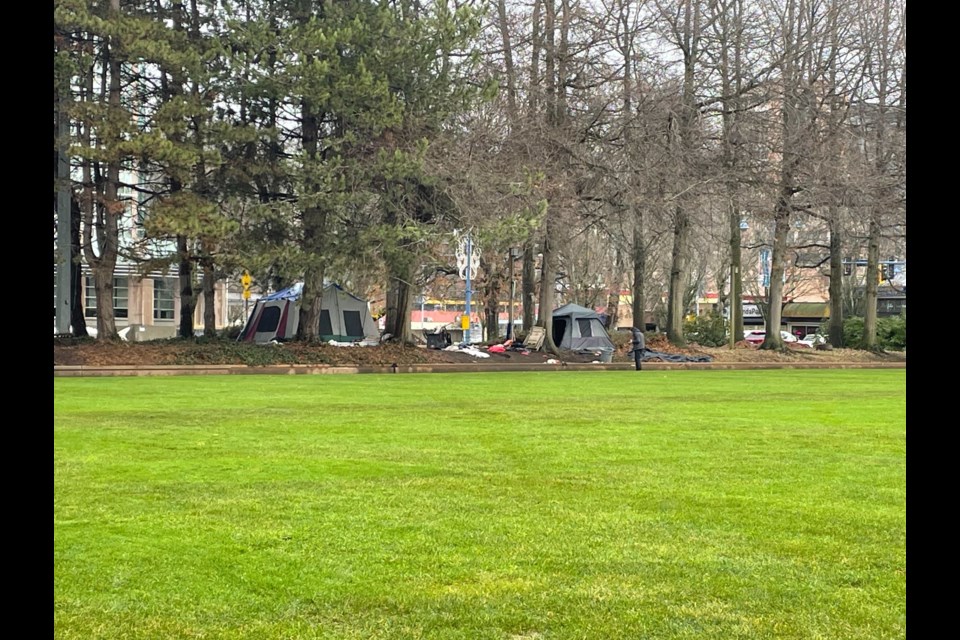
(577, 328)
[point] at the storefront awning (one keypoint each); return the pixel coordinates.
(813, 310)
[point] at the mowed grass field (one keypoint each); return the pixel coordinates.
(654, 504)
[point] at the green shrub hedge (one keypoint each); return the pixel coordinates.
(891, 332)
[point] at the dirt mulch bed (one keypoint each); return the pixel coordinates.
(91, 353)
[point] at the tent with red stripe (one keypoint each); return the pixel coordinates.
(344, 317)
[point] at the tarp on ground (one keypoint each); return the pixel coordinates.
(672, 357)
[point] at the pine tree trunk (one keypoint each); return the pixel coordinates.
(314, 228)
(399, 304)
(209, 300)
(108, 240)
(311, 302)
(77, 319)
(103, 285)
(187, 296)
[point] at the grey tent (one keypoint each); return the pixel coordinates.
(578, 328)
(344, 317)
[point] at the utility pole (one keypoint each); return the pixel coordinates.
(513, 291)
(465, 263)
(466, 326)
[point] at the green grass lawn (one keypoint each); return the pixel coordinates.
(654, 504)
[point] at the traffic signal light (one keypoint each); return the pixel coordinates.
(885, 271)
(889, 270)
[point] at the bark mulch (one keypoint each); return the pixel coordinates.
(91, 353)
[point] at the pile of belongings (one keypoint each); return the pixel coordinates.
(470, 351)
(509, 345)
(439, 339)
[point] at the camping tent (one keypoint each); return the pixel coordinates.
(577, 328)
(344, 317)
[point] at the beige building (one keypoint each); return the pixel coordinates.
(147, 307)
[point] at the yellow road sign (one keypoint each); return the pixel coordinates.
(464, 322)
(245, 280)
(246, 294)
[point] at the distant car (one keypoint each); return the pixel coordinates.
(813, 340)
(757, 337)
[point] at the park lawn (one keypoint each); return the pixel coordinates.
(653, 504)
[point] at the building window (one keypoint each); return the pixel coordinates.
(163, 298)
(891, 306)
(802, 331)
(119, 298)
(89, 298)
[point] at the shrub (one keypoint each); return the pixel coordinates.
(891, 333)
(853, 332)
(709, 330)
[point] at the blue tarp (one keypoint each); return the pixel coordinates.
(672, 357)
(290, 293)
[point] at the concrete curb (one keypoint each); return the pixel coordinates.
(65, 371)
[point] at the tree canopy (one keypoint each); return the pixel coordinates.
(655, 147)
